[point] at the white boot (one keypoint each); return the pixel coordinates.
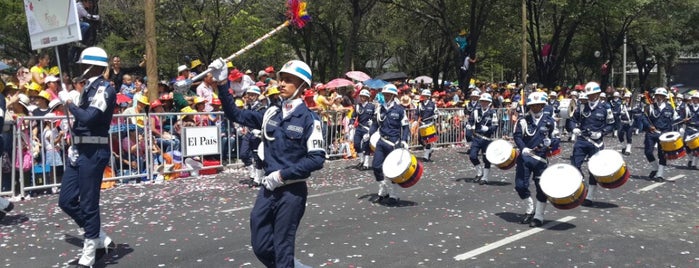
(591, 192)
(479, 171)
(573, 137)
(383, 189)
(259, 174)
(366, 161)
(105, 241)
(538, 220)
(628, 149)
(251, 171)
(484, 179)
(661, 172)
(369, 160)
(529, 202)
(89, 249)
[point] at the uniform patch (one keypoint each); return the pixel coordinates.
(296, 129)
(99, 100)
(315, 140)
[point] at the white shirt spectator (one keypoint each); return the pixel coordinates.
(239, 87)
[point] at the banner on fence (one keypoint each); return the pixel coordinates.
(201, 141)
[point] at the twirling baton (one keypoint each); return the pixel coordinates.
(297, 16)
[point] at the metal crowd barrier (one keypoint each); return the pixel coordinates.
(143, 145)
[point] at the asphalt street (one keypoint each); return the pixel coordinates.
(446, 220)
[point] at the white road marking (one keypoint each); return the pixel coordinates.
(310, 196)
(658, 184)
(510, 239)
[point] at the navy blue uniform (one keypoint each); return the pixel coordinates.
(663, 119)
(591, 121)
(427, 113)
(392, 125)
(531, 134)
(693, 123)
(80, 187)
(362, 118)
(293, 145)
(468, 110)
(626, 121)
(481, 138)
(250, 142)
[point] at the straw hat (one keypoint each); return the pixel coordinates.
(143, 99)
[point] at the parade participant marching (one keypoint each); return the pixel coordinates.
(362, 118)
(5, 205)
(89, 153)
(594, 119)
(427, 114)
(533, 136)
(570, 122)
(626, 122)
(468, 110)
(394, 129)
(693, 126)
(251, 139)
(293, 148)
(484, 123)
(661, 118)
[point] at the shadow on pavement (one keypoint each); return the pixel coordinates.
(374, 197)
(104, 258)
(15, 219)
(510, 216)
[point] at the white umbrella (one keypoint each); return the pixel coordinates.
(424, 79)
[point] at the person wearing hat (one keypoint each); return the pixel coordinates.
(205, 90)
(42, 104)
(89, 153)
(239, 82)
(273, 96)
(484, 124)
(163, 138)
(661, 118)
(471, 106)
(593, 119)
(251, 139)
(394, 129)
(293, 147)
(200, 119)
(533, 136)
(361, 120)
(52, 86)
(626, 118)
(692, 126)
(427, 115)
(140, 107)
(249, 73)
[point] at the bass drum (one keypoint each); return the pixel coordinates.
(502, 154)
(566, 108)
(692, 141)
(563, 185)
(402, 167)
(609, 168)
(672, 145)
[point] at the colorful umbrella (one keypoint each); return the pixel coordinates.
(375, 83)
(358, 75)
(423, 79)
(339, 82)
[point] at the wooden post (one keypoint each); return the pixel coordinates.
(151, 51)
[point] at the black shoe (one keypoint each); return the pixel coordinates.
(482, 182)
(659, 179)
(587, 203)
(651, 176)
(426, 160)
(365, 168)
(9, 207)
(380, 199)
(390, 201)
(627, 153)
(359, 165)
(246, 181)
(689, 164)
(527, 218)
(536, 223)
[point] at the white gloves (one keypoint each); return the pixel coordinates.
(526, 150)
(595, 135)
(681, 131)
(484, 128)
(256, 133)
(182, 86)
(365, 137)
(73, 155)
(219, 69)
(547, 142)
(273, 181)
(576, 131)
(95, 17)
(469, 127)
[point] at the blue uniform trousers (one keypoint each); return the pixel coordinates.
(625, 131)
(651, 139)
(80, 187)
(382, 150)
(477, 145)
(582, 149)
(527, 165)
(360, 146)
(246, 149)
(273, 223)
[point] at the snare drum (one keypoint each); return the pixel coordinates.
(402, 167)
(373, 140)
(502, 154)
(563, 185)
(609, 168)
(566, 108)
(428, 133)
(672, 145)
(692, 141)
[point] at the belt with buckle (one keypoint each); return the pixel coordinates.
(90, 140)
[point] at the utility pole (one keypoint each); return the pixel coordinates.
(151, 51)
(524, 42)
(623, 71)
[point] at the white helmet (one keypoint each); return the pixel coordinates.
(679, 96)
(592, 88)
(299, 69)
(574, 93)
(616, 94)
(553, 94)
(603, 95)
(486, 97)
(536, 98)
(390, 88)
(695, 95)
(627, 95)
(365, 93)
(661, 91)
(583, 96)
(253, 90)
(426, 92)
(94, 56)
(475, 93)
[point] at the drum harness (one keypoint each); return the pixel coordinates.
(478, 119)
(361, 111)
(587, 137)
(525, 128)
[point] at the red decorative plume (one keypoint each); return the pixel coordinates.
(296, 12)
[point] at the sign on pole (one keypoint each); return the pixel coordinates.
(201, 141)
(52, 23)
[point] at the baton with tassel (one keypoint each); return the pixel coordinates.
(296, 16)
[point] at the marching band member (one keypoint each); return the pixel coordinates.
(570, 122)
(554, 103)
(362, 118)
(692, 125)
(594, 119)
(89, 154)
(484, 123)
(427, 114)
(394, 129)
(293, 148)
(661, 118)
(534, 137)
(615, 104)
(626, 122)
(251, 140)
(468, 110)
